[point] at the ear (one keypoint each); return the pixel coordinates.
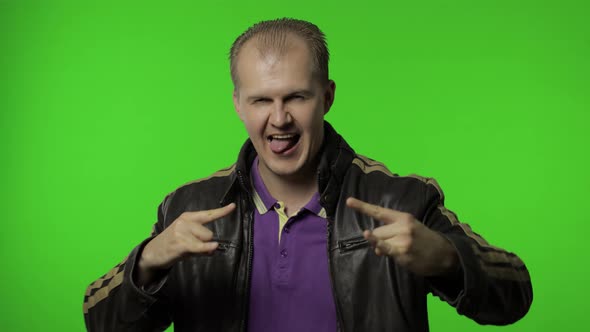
(329, 95)
(236, 98)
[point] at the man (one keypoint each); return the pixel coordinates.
(302, 233)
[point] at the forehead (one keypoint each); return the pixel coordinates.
(264, 69)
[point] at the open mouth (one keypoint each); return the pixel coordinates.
(282, 143)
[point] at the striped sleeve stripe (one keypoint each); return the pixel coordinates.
(368, 161)
(109, 275)
(499, 257)
(451, 216)
(492, 258)
(368, 166)
(116, 274)
(429, 181)
(102, 293)
(506, 272)
(466, 229)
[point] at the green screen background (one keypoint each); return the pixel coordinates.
(105, 108)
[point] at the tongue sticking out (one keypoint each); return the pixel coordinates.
(282, 145)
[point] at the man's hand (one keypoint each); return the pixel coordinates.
(185, 236)
(408, 241)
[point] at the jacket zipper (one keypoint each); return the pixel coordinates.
(328, 237)
(352, 244)
(224, 245)
(250, 219)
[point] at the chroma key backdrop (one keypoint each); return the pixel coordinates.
(106, 107)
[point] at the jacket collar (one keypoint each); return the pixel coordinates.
(335, 158)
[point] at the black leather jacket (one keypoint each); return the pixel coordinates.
(372, 293)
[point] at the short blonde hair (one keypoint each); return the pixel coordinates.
(273, 37)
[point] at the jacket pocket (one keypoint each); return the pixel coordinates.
(354, 243)
(224, 246)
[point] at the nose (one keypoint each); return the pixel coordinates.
(280, 116)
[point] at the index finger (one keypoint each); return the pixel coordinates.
(207, 216)
(375, 211)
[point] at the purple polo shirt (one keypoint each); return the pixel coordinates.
(290, 288)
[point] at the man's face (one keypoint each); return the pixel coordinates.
(282, 105)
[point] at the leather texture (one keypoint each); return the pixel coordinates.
(372, 293)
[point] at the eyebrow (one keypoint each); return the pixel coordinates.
(303, 92)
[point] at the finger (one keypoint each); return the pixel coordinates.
(370, 210)
(207, 216)
(386, 248)
(201, 247)
(377, 212)
(391, 230)
(201, 232)
(381, 246)
(368, 235)
(385, 232)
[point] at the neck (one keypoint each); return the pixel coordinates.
(294, 190)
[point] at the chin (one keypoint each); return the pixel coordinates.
(284, 167)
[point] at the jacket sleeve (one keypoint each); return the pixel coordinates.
(115, 303)
(492, 286)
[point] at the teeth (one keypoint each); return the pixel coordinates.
(288, 136)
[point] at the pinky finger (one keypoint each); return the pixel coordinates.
(378, 251)
(368, 235)
(205, 247)
(211, 246)
(385, 249)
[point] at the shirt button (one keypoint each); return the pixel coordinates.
(284, 253)
(277, 206)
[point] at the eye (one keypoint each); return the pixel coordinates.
(261, 100)
(296, 98)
